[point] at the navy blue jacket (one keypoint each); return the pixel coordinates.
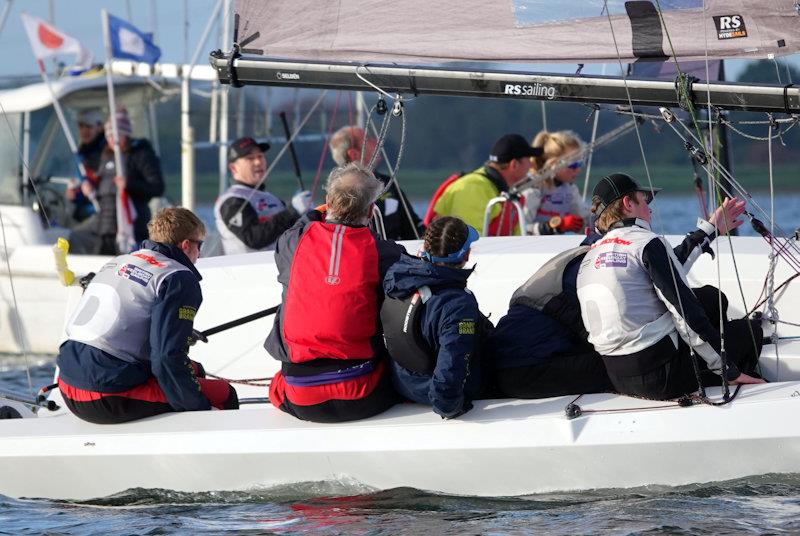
(451, 325)
(89, 368)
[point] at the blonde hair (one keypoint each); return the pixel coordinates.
(174, 225)
(555, 145)
(612, 213)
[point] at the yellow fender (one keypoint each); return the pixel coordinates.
(60, 250)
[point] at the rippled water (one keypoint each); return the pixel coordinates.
(763, 505)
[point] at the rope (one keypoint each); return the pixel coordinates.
(255, 382)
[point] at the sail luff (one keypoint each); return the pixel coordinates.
(503, 84)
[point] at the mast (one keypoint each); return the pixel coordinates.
(253, 70)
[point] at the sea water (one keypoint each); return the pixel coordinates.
(768, 504)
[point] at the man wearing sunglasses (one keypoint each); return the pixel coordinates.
(126, 356)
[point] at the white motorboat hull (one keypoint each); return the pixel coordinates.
(501, 448)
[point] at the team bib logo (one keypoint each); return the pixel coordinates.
(611, 259)
(135, 274)
(730, 27)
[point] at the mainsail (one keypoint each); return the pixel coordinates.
(401, 47)
(577, 31)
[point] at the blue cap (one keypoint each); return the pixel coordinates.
(456, 256)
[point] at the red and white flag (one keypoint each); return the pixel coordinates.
(48, 41)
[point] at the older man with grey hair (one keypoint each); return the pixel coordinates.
(326, 332)
(350, 144)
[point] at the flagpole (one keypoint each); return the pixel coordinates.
(112, 108)
(61, 119)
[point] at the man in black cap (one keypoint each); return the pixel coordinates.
(638, 308)
(467, 196)
(248, 217)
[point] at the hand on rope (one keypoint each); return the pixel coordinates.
(727, 217)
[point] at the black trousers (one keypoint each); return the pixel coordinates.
(664, 371)
(563, 375)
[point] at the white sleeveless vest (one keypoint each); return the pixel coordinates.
(264, 203)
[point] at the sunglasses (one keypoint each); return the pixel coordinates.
(198, 242)
(575, 165)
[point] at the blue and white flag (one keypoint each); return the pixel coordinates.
(128, 42)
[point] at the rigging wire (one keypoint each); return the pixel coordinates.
(277, 158)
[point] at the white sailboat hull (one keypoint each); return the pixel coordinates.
(502, 447)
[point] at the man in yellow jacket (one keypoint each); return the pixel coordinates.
(467, 196)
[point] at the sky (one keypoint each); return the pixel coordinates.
(81, 19)
(168, 20)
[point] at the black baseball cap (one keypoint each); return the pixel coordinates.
(510, 147)
(617, 185)
(243, 146)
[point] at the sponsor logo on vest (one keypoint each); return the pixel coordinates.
(611, 259)
(730, 27)
(332, 280)
(614, 240)
(530, 90)
(135, 274)
(149, 259)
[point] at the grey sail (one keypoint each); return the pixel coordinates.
(577, 31)
(401, 47)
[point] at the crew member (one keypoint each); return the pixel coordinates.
(126, 353)
(92, 143)
(466, 197)
(327, 331)
(637, 306)
(431, 322)
(248, 217)
(142, 182)
(553, 203)
(349, 144)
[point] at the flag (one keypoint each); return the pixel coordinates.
(128, 42)
(48, 41)
(126, 214)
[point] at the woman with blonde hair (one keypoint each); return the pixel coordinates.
(553, 205)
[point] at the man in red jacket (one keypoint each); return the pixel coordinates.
(327, 331)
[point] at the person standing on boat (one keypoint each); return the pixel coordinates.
(142, 182)
(327, 331)
(349, 144)
(466, 196)
(638, 308)
(126, 353)
(92, 144)
(248, 217)
(553, 204)
(432, 326)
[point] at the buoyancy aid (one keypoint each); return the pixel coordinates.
(114, 312)
(401, 320)
(544, 291)
(467, 195)
(333, 284)
(264, 204)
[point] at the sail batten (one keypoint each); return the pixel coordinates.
(508, 31)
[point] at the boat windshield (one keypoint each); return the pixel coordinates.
(10, 162)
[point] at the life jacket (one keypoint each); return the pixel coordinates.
(401, 320)
(544, 291)
(265, 205)
(333, 285)
(430, 214)
(503, 224)
(113, 314)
